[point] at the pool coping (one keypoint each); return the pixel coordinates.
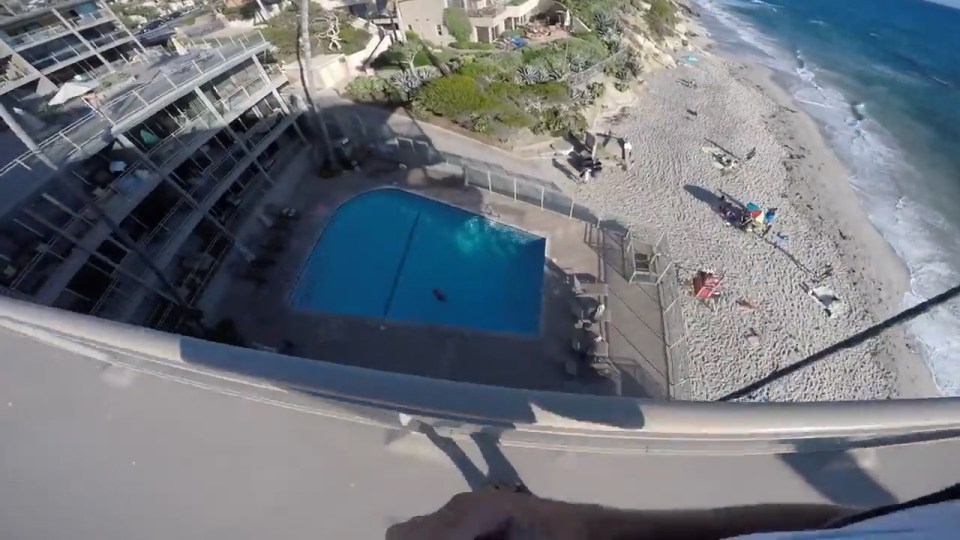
(382, 321)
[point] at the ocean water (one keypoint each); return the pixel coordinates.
(882, 78)
(385, 253)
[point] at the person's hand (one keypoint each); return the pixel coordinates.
(466, 517)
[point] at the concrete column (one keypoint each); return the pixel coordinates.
(283, 104)
(82, 39)
(127, 143)
(82, 195)
(18, 130)
(93, 253)
(226, 126)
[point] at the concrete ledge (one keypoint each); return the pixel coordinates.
(552, 419)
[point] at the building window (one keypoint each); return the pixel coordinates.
(439, 29)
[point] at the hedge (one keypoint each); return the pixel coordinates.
(454, 97)
(458, 23)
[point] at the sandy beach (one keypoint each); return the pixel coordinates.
(672, 185)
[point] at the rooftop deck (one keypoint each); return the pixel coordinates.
(264, 317)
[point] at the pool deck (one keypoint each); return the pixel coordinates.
(264, 317)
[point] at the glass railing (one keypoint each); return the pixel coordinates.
(192, 128)
(119, 290)
(71, 50)
(34, 36)
(87, 18)
(262, 129)
(477, 9)
(106, 39)
(88, 130)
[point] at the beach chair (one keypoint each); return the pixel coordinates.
(640, 260)
(592, 289)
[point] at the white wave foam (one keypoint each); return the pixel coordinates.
(927, 242)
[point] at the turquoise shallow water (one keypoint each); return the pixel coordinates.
(882, 79)
(385, 253)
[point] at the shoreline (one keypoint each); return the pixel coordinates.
(871, 251)
(672, 185)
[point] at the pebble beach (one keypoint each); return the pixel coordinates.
(762, 319)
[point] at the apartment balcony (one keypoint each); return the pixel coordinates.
(130, 189)
(162, 84)
(493, 13)
(13, 75)
(20, 42)
(230, 169)
(74, 52)
(86, 20)
(25, 40)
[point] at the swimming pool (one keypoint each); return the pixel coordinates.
(394, 255)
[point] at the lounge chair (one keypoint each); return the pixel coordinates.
(640, 260)
(599, 352)
(583, 307)
(591, 289)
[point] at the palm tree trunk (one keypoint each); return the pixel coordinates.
(305, 61)
(263, 10)
(392, 8)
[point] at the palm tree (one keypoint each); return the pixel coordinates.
(305, 62)
(408, 51)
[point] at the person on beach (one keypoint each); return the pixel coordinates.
(517, 513)
(627, 153)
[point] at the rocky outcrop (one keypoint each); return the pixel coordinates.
(655, 53)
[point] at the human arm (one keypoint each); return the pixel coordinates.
(520, 516)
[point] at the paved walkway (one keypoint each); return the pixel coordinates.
(382, 124)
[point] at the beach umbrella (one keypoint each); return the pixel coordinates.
(754, 210)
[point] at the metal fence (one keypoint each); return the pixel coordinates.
(594, 70)
(544, 195)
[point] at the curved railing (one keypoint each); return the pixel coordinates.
(569, 419)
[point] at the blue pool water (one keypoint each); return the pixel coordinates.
(384, 252)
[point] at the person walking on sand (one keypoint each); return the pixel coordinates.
(627, 153)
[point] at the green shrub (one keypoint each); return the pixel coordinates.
(661, 18)
(558, 122)
(481, 123)
(410, 34)
(246, 11)
(596, 89)
(368, 89)
(482, 71)
(585, 51)
(454, 97)
(281, 30)
(474, 46)
(515, 118)
(458, 23)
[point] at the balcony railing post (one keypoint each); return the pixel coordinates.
(138, 96)
(64, 137)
